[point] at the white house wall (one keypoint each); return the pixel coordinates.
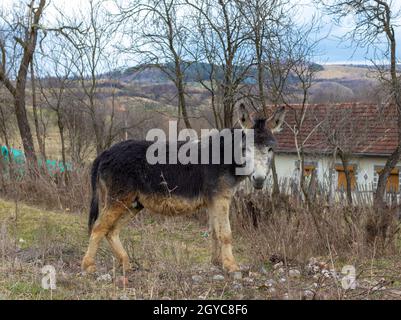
(365, 167)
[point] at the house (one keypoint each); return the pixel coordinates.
(365, 133)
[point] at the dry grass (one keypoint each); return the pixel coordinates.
(276, 242)
(332, 72)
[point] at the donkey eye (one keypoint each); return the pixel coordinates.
(270, 149)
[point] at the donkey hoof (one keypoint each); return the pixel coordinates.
(231, 268)
(91, 269)
(88, 266)
(126, 266)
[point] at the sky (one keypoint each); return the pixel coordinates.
(331, 49)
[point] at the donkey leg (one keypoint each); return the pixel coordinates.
(216, 245)
(113, 237)
(221, 227)
(100, 230)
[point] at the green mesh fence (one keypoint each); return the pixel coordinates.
(17, 157)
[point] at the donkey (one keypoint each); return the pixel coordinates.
(123, 182)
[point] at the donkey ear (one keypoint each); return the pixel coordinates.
(244, 117)
(275, 123)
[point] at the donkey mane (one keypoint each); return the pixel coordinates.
(124, 166)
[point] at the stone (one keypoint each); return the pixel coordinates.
(237, 286)
(197, 278)
(270, 283)
(249, 280)
(308, 294)
(237, 275)
(105, 278)
(293, 273)
(218, 277)
(278, 265)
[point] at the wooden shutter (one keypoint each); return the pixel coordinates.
(342, 180)
(393, 182)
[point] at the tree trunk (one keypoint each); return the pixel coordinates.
(41, 142)
(391, 162)
(276, 187)
(182, 102)
(61, 132)
(345, 164)
(23, 125)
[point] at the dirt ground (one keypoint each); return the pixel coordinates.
(171, 260)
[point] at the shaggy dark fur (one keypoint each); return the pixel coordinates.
(124, 169)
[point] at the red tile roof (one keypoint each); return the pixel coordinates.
(357, 128)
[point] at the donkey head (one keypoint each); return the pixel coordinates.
(264, 141)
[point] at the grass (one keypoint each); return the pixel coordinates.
(167, 253)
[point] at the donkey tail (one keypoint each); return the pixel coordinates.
(94, 209)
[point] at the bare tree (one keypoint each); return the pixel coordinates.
(226, 46)
(374, 22)
(264, 19)
(18, 41)
(161, 40)
(40, 127)
(94, 60)
(54, 86)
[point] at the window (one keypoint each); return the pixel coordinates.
(309, 169)
(342, 180)
(393, 183)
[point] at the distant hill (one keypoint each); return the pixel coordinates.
(194, 72)
(341, 83)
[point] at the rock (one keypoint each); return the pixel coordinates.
(293, 273)
(197, 278)
(326, 273)
(237, 286)
(124, 297)
(282, 280)
(278, 265)
(272, 290)
(249, 280)
(214, 269)
(270, 283)
(309, 294)
(237, 275)
(218, 277)
(286, 296)
(105, 278)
